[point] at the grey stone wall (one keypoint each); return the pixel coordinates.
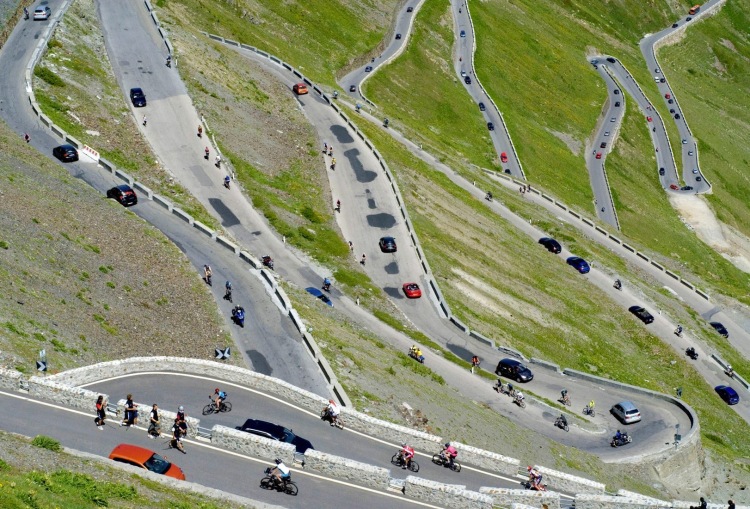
(446, 495)
(504, 497)
(589, 501)
(10, 380)
(343, 468)
(486, 459)
(65, 396)
(253, 445)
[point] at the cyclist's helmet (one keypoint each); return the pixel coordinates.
(448, 444)
(216, 390)
(228, 284)
(278, 461)
(403, 444)
(181, 409)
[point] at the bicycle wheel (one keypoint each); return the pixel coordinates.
(437, 459)
(414, 466)
(568, 403)
(208, 409)
(456, 466)
(566, 428)
(396, 460)
(267, 483)
(290, 488)
(226, 406)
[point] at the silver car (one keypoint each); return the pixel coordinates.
(626, 412)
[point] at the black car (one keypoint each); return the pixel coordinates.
(617, 104)
(616, 91)
(275, 432)
(490, 126)
(388, 245)
(137, 97)
(511, 368)
(603, 144)
(671, 110)
(677, 116)
(698, 178)
(642, 314)
(368, 68)
(410, 9)
(719, 327)
(482, 107)
(675, 25)
(670, 101)
(552, 245)
(661, 171)
(610, 60)
(467, 80)
(352, 88)
(398, 36)
(65, 153)
(123, 194)
(662, 80)
(686, 188)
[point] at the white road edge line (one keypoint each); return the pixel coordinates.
(201, 377)
(247, 458)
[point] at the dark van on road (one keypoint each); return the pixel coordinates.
(511, 368)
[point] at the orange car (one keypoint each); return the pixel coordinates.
(144, 458)
(300, 89)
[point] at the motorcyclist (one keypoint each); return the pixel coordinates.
(332, 411)
(449, 452)
(563, 421)
(488, 196)
(327, 284)
(519, 397)
(25, 13)
(678, 330)
(618, 436)
(228, 290)
(729, 371)
(406, 453)
(169, 60)
(227, 180)
(618, 284)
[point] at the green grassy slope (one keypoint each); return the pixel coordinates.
(710, 73)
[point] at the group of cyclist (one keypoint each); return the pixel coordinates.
(406, 454)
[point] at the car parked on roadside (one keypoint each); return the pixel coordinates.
(146, 459)
(552, 245)
(387, 245)
(728, 394)
(124, 194)
(579, 264)
(412, 290)
(65, 153)
(719, 327)
(137, 97)
(513, 369)
(626, 412)
(641, 313)
(275, 432)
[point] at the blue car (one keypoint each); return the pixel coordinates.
(579, 264)
(727, 394)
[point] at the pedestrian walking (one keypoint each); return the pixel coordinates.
(207, 152)
(100, 415)
(218, 161)
(351, 246)
(333, 163)
(702, 505)
(154, 426)
(474, 363)
(26, 137)
(325, 147)
(145, 120)
(364, 259)
(131, 413)
(338, 205)
(730, 504)
(330, 151)
(200, 131)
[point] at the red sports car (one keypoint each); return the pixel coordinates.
(504, 157)
(412, 290)
(649, 119)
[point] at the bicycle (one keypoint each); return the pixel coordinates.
(270, 482)
(398, 460)
(565, 400)
(209, 409)
(589, 410)
(441, 460)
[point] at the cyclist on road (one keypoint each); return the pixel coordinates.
(207, 273)
(406, 453)
(281, 472)
(177, 434)
(449, 452)
(591, 405)
(228, 291)
(219, 397)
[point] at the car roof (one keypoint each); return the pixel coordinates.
(269, 427)
(67, 146)
(136, 90)
(124, 187)
(512, 362)
(387, 239)
(627, 405)
(131, 452)
(729, 390)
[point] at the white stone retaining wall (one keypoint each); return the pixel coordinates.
(63, 394)
(569, 483)
(252, 445)
(486, 459)
(446, 495)
(10, 380)
(504, 497)
(588, 501)
(351, 470)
